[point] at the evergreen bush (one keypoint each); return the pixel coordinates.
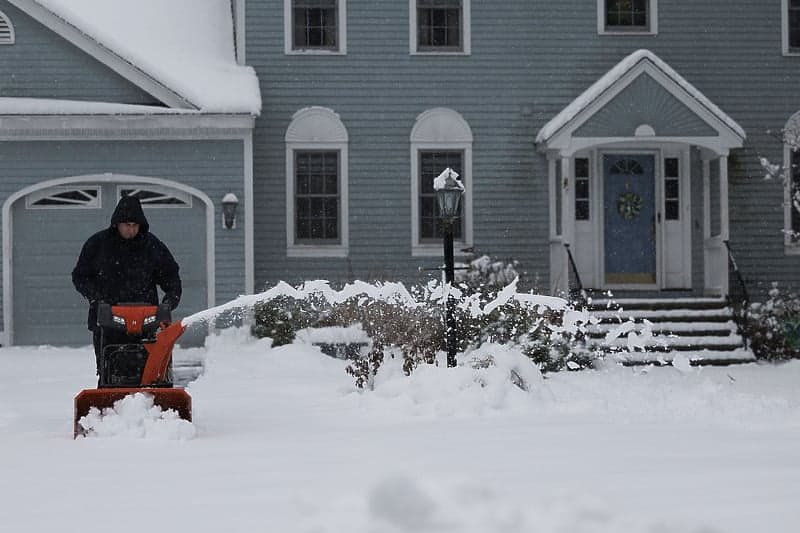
(773, 326)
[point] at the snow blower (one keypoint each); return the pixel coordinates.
(136, 356)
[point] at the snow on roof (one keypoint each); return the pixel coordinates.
(45, 106)
(612, 76)
(186, 45)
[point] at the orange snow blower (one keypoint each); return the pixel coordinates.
(136, 356)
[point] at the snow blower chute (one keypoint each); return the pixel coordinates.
(136, 356)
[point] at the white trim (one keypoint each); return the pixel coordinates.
(95, 203)
(129, 127)
(652, 21)
(288, 31)
(466, 32)
(8, 241)
(12, 33)
(240, 31)
(317, 128)
(791, 129)
(785, 31)
(249, 217)
(186, 199)
(105, 55)
(441, 129)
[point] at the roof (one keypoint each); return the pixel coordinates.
(184, 46)
(613, 76)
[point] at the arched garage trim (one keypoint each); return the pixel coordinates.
(8, 232)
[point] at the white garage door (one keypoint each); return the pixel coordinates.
(49, 229)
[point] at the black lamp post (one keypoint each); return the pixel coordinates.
(448, 194)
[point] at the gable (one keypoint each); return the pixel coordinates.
(41, 64)
(645, 101)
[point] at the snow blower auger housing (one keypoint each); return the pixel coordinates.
(136, 356)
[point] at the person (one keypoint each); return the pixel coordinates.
(125, 263)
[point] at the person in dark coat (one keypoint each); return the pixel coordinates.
(125, 263)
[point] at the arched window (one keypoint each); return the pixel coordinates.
(6, 29)
(440, 138)
(316, 184)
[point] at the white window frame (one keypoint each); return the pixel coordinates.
(466, 33)
(652, 21)
(41, 194)
(441, 129)
(787, 51)
(317, 129)
(790, 248)
(288, 41)
(179, 195)
(12, 35)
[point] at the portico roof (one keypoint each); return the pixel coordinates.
(722, 132)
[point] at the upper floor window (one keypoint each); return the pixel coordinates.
(626, 16)
(316, 184)
(441, 138)
(439, 26)
(315, 26)
(6, 29)
(791, 26)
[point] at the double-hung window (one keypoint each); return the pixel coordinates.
(316, 184)
(440, 26)
(626, 16)
(793, 199)
(317, 200)
(315, 26)
(791, 27)
(431, 164)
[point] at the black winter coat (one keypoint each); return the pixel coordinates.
(115, 270)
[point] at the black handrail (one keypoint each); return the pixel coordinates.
(576, 294)
(743, 302)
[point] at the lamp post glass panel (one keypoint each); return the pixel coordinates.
(448, 194)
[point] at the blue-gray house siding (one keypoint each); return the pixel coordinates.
(528, 61)
(41, 64)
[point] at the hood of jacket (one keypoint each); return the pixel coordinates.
(129, 209)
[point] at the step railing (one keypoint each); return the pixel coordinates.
(739, 298)
(577, 294)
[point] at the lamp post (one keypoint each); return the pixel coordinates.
(448, 194)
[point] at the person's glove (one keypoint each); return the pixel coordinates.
(172, 299)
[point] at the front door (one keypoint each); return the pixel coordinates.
(629, 219)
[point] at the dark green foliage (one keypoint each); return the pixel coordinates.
(773, 326)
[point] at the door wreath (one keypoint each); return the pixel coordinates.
(629, 205)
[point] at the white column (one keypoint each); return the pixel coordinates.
(723, 198)
(567, 214)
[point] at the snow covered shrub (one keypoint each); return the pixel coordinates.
(281, 318)
(773, 326)
(485, 272)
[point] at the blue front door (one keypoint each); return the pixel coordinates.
(629, 213)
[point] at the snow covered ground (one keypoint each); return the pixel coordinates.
(282, 441)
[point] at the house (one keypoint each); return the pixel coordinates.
(625, 136)
(92, 108)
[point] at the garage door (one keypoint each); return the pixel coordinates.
(51, 225)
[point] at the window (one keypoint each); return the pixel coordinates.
(581, 188)
(439, 26)
(791, 27)
(672, 188)
(6, 30)
(155, 196)
(440, 138)
(316, 184)
(315, 26)
(626, 16)
(793, 200)
(431, 165)
(65, 197)
(316, 197)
